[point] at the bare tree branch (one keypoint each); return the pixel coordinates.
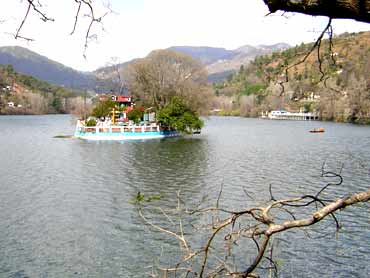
(259, 224)
(37, 8)
(316, 45)
(22, 23)
(79, 3)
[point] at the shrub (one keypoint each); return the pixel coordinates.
(103, 108)
(91, 122)
(135, 115)
(178, 116)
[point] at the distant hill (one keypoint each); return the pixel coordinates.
(28, 62)
(111, 71)
(245, 54)
(221, 62)
(206, 55)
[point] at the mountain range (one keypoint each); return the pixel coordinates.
(219, 62)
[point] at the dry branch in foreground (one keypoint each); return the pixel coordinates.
(258, 225)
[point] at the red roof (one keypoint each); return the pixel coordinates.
(124, 99)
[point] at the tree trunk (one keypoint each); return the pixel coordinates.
(351, 9)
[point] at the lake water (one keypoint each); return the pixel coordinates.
(65, 207)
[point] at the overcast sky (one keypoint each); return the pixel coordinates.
(138, 26)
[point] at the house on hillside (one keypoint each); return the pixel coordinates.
(6, 88)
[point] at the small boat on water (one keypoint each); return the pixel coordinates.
(197, 131)
(317, 130)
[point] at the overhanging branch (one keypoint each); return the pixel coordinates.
(346, 9)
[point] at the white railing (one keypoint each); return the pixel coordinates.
(117, 129)
(292, 116)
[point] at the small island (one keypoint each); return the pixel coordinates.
(165, 94)
(116, 117)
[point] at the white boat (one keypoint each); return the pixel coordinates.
(285, 115)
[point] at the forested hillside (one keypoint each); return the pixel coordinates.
(24, 94)
(28, 62)
(334, 81)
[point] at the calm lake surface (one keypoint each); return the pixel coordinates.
(65, 207)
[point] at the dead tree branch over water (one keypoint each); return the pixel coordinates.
(257, 225)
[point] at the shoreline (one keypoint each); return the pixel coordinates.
(223, 116)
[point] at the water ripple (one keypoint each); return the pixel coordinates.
(66, 211)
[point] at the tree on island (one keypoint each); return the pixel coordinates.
(103, 108)
(172, 84)
(164, 74)
(135, 115)
(178, 116)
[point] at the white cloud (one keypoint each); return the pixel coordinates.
(144, 25)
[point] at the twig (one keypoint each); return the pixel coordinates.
(317, 44)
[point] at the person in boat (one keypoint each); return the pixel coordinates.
(321, 129)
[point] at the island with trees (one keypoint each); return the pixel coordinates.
(169, 91)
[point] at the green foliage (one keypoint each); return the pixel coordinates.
(57, 104)
(141, 198)
(43, 87)
(103, 108)
(135, 115)
(250, 89)
(241, 69)
(178, 116)
(218, 86)
(91, 122)
(223, 113)
(9, 70)
(260, 98)
(232, 113)
(307, 107)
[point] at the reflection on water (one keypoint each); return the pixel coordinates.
(65, 204)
